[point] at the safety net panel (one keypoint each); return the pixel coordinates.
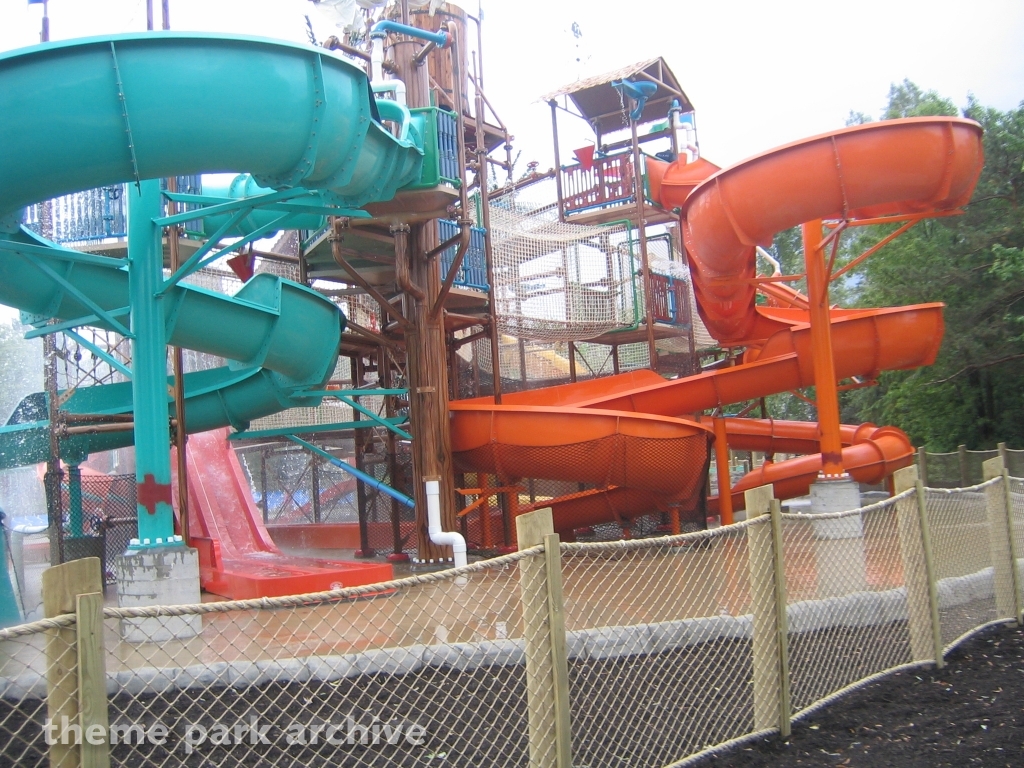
(555, 281)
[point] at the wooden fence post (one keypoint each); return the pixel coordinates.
(767, 591)
(92, 682)
(1001, 544)
(547, 667)
(965, 475)
(1018, 586)
(61, 586)
(918, 572)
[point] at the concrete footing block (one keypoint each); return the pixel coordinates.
(166, 575)
(839, 542)
(836, 496)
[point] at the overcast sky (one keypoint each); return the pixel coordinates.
(759, 73)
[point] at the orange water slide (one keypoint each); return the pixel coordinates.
(870, 454)
(913, 166)
(867, 342)
(895, 167)
(568, 432)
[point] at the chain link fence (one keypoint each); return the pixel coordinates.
(961, 550)
(108, 521)
(659, 646)
(648, 652)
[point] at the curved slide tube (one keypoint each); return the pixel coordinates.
(87, 113)
(908, 166)
(914, 165)
(108, 110)
(103, 111)
(874, 454)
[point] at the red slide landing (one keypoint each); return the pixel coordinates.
(237, 558)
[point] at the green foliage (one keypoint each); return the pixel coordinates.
(907, 100)
(21, 366)
(858, 118)
(975, 265)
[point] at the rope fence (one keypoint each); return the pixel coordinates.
(962, 467)
(649, 652)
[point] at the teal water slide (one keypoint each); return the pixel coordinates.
(305, 128)
(127, 108)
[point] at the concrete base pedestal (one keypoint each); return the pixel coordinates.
(839, 543)
(163, 575)
(836, 496)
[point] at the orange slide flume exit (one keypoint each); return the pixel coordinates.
(634, 435)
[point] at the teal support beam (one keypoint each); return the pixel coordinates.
(374, 417)
(355, 392)
(371, 481)
(60, 254)
(149, 366)
(73, 290)
(260, 434)
(76, 521)
(67, 325)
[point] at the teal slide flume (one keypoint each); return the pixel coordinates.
(99, 111)
(89, 113)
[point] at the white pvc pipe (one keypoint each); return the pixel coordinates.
(391, 85)
(376, 60)
(377, 72)
(437, 535)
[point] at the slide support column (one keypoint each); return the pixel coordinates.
(149, 366)
(725, 509)
(157, 568)
(825, 389)
(839, 542)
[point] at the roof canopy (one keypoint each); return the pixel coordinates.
(598, 102)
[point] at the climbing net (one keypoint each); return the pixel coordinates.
(559, 282)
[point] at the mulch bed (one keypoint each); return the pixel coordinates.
(971, 712)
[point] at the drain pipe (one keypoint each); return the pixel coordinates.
(437, 535)
(377, 58)
(770, 259)
(400, 232)
(378, 35)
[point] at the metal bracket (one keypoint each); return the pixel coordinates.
(99, 311)
(67, 325)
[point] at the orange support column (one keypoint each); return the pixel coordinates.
(722, 465)
(826, 391)
(485, 515)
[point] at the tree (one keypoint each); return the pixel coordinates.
(974, 264)
(907, 100)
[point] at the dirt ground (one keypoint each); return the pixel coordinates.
(969, 713)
